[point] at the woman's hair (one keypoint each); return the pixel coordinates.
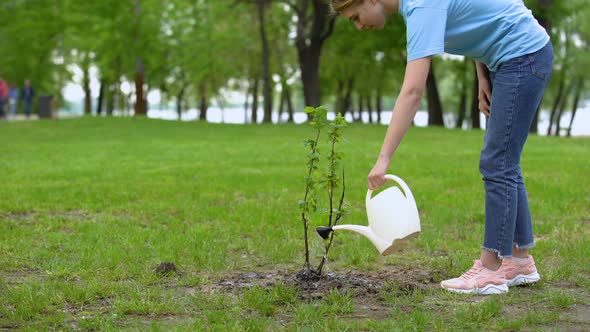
(340, 5)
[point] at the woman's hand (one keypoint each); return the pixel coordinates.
(485, 89)
(377, 176)
(485, 96)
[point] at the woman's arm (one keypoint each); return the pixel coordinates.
(404, 111)
(485, 89)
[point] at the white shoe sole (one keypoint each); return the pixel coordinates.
(487, 290)
(522, 279)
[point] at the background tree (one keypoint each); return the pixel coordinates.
(31, 34)
(314, 25)
(365, 65)
(194, 52)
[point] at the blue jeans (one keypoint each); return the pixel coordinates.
(517, 89)
(28, 108)
(13, 106)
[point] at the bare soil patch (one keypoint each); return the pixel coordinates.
(363, 283)
(365, 287)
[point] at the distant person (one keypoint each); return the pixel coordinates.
(3, 96)
(13, 95)
(514, 60)
(28, 96)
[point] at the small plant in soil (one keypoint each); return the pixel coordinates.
(329, 183)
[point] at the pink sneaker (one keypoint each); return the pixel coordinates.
(520, 273)
(478, 280)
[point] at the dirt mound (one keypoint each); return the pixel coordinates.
(366, 288)
(361, 284)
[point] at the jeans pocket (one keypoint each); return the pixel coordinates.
(541, 62)
(534, 69)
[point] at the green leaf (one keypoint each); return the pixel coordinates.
(302, 204)
(309, 110)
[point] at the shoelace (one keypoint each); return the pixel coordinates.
(472, 272)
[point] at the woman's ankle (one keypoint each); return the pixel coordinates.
(490, 260)
(519, 253)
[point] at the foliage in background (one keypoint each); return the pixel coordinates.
(194, 51)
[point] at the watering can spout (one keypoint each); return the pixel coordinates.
(324, 231)
(385, 247)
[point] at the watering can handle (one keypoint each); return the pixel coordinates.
(401, 182)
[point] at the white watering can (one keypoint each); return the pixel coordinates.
(393, 218)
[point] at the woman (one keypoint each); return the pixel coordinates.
(514, 60)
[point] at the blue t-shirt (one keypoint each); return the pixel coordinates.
(489, 31)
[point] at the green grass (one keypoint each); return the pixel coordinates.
(89, 207)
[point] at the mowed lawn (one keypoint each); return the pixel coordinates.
(90, 207)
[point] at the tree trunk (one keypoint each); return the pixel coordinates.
(112, 91)
(561, 108)
(266, 79)
(475, 124)
(563, 94)
(309, 42)
(204, 104)
(558, 98)
(286, 99)
(309, 63)
(579, 89)
(86, 86)
(348, 97)
(123, 101)
(361, 109)
(246, 104)
(462, 108)
(369, 107)
(140, 109)
(379, 105)
(339, 97)
(461, 112)
(282, 102)
(542, 15)
(284, 91)
(435, 112)
(146, 105)
(255, 101)
(290, 110)
(535, 125)
(179, 99)
(99, 105)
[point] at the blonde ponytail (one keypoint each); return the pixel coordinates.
(340, 5)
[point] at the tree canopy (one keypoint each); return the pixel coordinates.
(269, 50)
